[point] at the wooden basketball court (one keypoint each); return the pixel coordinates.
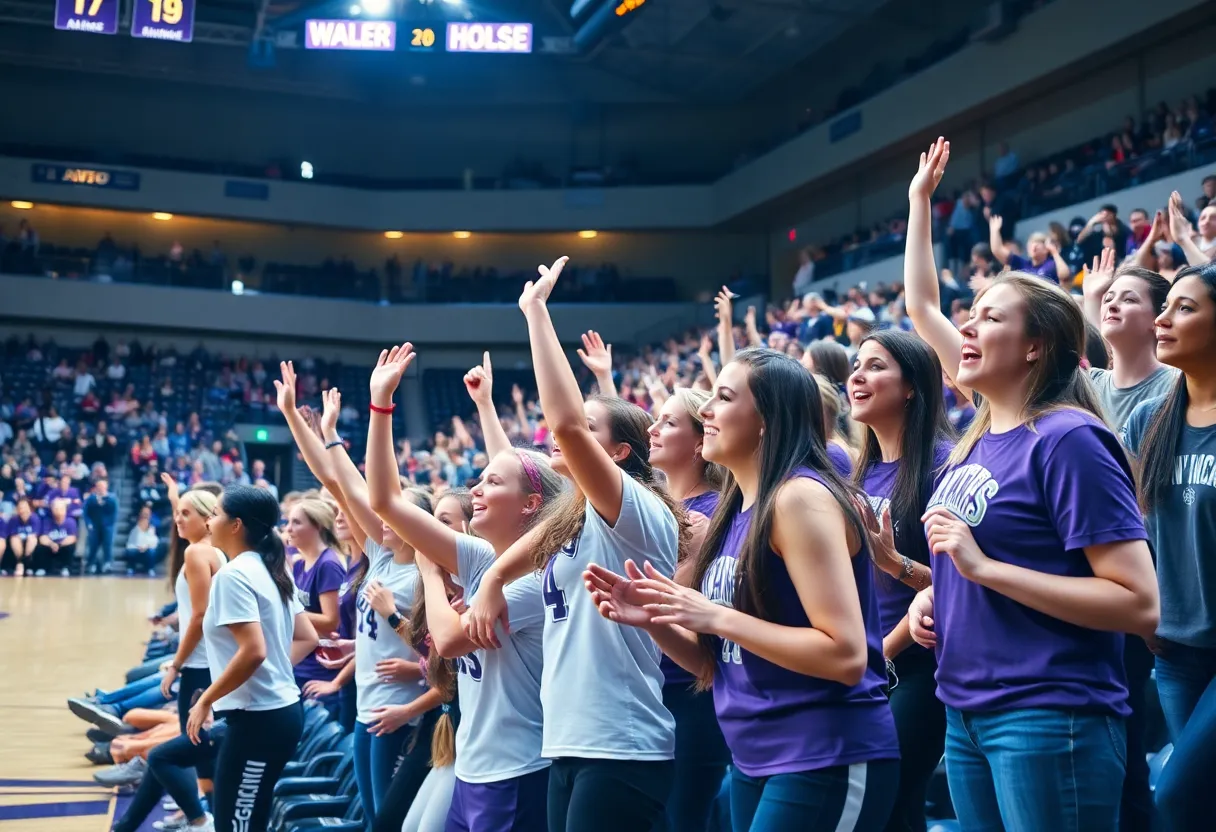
(61, 637)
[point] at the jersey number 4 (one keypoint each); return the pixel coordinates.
(369, 617)
(555, 599)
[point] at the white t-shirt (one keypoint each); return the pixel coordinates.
(376, 641)
(601, 686)
(185, 611)
(501, 721)
(243, 592)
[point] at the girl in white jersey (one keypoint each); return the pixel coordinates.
(255, 631)
(391, 697)
(172, 766)
(501, 777)
(606, 728)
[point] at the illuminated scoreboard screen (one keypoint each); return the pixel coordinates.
(388, 36)
(156, 19)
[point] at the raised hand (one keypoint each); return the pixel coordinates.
(1158, 231)
(331, 401)
(1101, 274)
(932, 167)
(479, 381)
(995, 222)
(723, 306)
(1180, 227)
(387, 375)
(172, 489)
(536, 292)
(618, 597)
(595, 354)
(285, 389)
(517, 394)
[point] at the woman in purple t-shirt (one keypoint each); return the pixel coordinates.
(676, 439)
(786, 622)
(895, 391)
(319, 573)
(1041, 556)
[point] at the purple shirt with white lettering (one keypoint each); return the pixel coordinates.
(1045, 270)
(777, 721)
(57, 532)
(326, 575)
(894, 596)
(24, 528)
(1033, 498)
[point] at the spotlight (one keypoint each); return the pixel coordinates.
(588, 235)
(306, 170)
(376, 8)
(462, 235)
(394, 235)
(22, 205)
(162, 216)
(355, 10)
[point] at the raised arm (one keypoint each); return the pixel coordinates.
(172, 490)
(1096, 283)
(723, 304)
(1146, 256)
(1184, 233)
(705, 354)
(593, 470)
(995, 241)
(597, 357)
(479, 383)
(443, 622)
(415, 526)
(921, 294)
(348, 487)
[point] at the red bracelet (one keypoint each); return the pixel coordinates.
(384, 410)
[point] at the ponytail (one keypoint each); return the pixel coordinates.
(258, 512)
(443, 740)
(274, 555)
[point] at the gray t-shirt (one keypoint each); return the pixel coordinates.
(375, 640)
(1182, 531)
(1119, 402)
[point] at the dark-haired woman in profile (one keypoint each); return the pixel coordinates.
(896, 393)
(1174, 438)
(786, 622)
(255, 631)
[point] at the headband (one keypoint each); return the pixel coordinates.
(531, 472)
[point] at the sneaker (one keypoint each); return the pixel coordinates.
(97, 735)
(104, 717)
(3, 573)
(99, 754)
(208, 825)
(65, 573)
(170, 805)
(20, 570)
(151, 573)
(124, 774)
(39, 573)
(172, 823)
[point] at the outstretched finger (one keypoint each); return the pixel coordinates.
(485, 363)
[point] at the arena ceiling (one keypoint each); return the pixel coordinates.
(670, 50)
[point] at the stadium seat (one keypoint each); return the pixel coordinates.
(322, 774)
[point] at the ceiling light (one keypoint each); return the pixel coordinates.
(376, 8)
(161, 215)
(394, 235)
(588, 235)
(462, 235)
(355, 10)
(22, 204)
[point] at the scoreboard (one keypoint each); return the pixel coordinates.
(156, 19)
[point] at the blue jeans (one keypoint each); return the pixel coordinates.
(101, 547)
(1186, 684)
(139, 686)
(858, 796)
(376, 759)
(144, 693)
(1035, 769)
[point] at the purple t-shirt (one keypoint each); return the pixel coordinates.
(347, 595)
(840, 460)
(1033, 498)
(58, 531)
(326, 575)
(894, 596)
(673, 674)
(1045, 270)
(24, 528)
(776, 721)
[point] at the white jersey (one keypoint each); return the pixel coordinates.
(243, 592)
(501, 721)
(601, 686)
(376, 641)
(185, 611)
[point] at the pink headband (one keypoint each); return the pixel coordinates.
(531, 472)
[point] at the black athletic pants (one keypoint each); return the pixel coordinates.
(588, 795)
(920, 721)
(256, 747)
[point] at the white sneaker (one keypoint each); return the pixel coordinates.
(64, 573)
(172, 823)
(170, 805)
(40, 573)
(208, 825)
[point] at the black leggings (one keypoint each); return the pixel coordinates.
(701, 760)
(256, 747)
(920, 721)
(588, 795)
(415, 765)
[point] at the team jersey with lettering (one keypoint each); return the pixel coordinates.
(58, 532)
(501, 722)
(243, 592)
(1182, 529)
(185, 610)
(326, 575)
(31, 527)
(673, 674)
(601, 686)
(778, 721)
(1034, 498)
(375, 640)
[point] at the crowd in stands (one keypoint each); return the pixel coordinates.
(1161, 142)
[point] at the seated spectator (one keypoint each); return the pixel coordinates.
(143, 545)
(1045, 259)
(64, 490)
(116, 371)
(236, 475)
(57, 542)
(49, 427)
(23, 531)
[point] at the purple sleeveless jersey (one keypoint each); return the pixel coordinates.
(673, 674)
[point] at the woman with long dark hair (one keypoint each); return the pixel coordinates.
(1174, 438)
(255, 630)
(677, 439)
(786, 622)
(612, 750)
(896, 393)
(1041, 559)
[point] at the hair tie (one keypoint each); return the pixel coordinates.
(447, 709)
(532, 472)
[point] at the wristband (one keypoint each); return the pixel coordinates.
(384, 410)
(334, 444)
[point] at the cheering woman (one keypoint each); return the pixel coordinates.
(801, 704)
(1174, 438)
(1041, 561)
(677, 439)
(255, 630)
(896, 393)
(612, 748)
